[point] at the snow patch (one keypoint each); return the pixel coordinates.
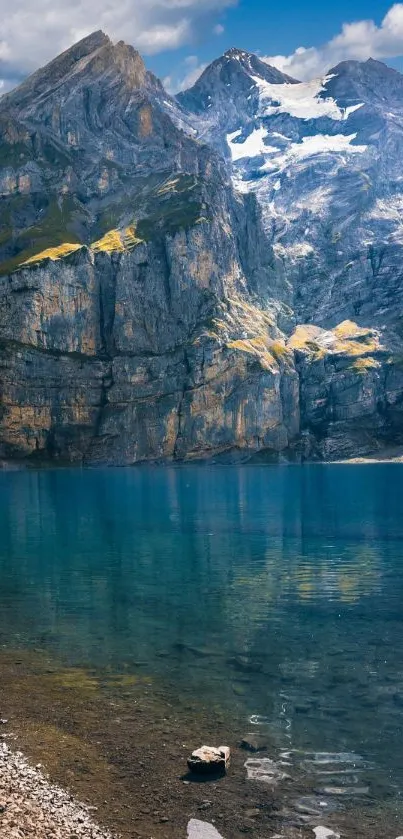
(311, 147)
(322, 143)
(253, 146)
(280, 136)
(300, 100)
(352, 109)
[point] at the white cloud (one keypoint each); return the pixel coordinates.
(218, 29)
(359, 40)
(164, 36)
(185, 76)
(32, 33)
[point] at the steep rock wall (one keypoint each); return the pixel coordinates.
(128, 356)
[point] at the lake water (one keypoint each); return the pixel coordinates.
(272, 593)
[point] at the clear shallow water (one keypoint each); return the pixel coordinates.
(272, 594)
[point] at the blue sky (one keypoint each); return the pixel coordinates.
(179, 37)
(272, 29)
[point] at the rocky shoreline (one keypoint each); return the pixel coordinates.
(391, 454)
(394, 454)
(30, 805)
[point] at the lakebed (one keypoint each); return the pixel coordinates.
(120, 746)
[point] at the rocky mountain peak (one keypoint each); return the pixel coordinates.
(228, 90)
(115, 59)
(54, 72)
(369, 82)
(372, 62)
(254, 66)
(93, 59)
(130, 63)
(235, 68)
(234, 54)
(365, 69)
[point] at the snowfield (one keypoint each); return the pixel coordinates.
(301, 100)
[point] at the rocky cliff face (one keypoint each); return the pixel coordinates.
(149, 310)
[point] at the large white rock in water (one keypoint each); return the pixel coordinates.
(202, 830)
(325, 833)
(209, 759)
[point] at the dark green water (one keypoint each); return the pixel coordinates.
(275, 594)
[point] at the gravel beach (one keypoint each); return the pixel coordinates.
(30, 806)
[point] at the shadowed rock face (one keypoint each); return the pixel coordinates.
(144, 312)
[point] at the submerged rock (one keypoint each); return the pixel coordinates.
(253, 813)
(208, 759)
(264, 769)
(254, 742)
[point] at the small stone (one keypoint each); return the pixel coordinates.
(3, 722)
(208, 760)
(254, 742)
(252, 814)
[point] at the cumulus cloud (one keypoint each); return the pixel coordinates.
(358, 40)
(31, 33)
(185, 75)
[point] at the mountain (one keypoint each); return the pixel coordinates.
(213, 275)
(324, 160)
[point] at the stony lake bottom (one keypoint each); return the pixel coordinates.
(146, 611)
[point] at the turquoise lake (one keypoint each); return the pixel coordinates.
(275, 593)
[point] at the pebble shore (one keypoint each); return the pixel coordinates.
(30, 806)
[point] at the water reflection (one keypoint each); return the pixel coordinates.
(273, 594)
